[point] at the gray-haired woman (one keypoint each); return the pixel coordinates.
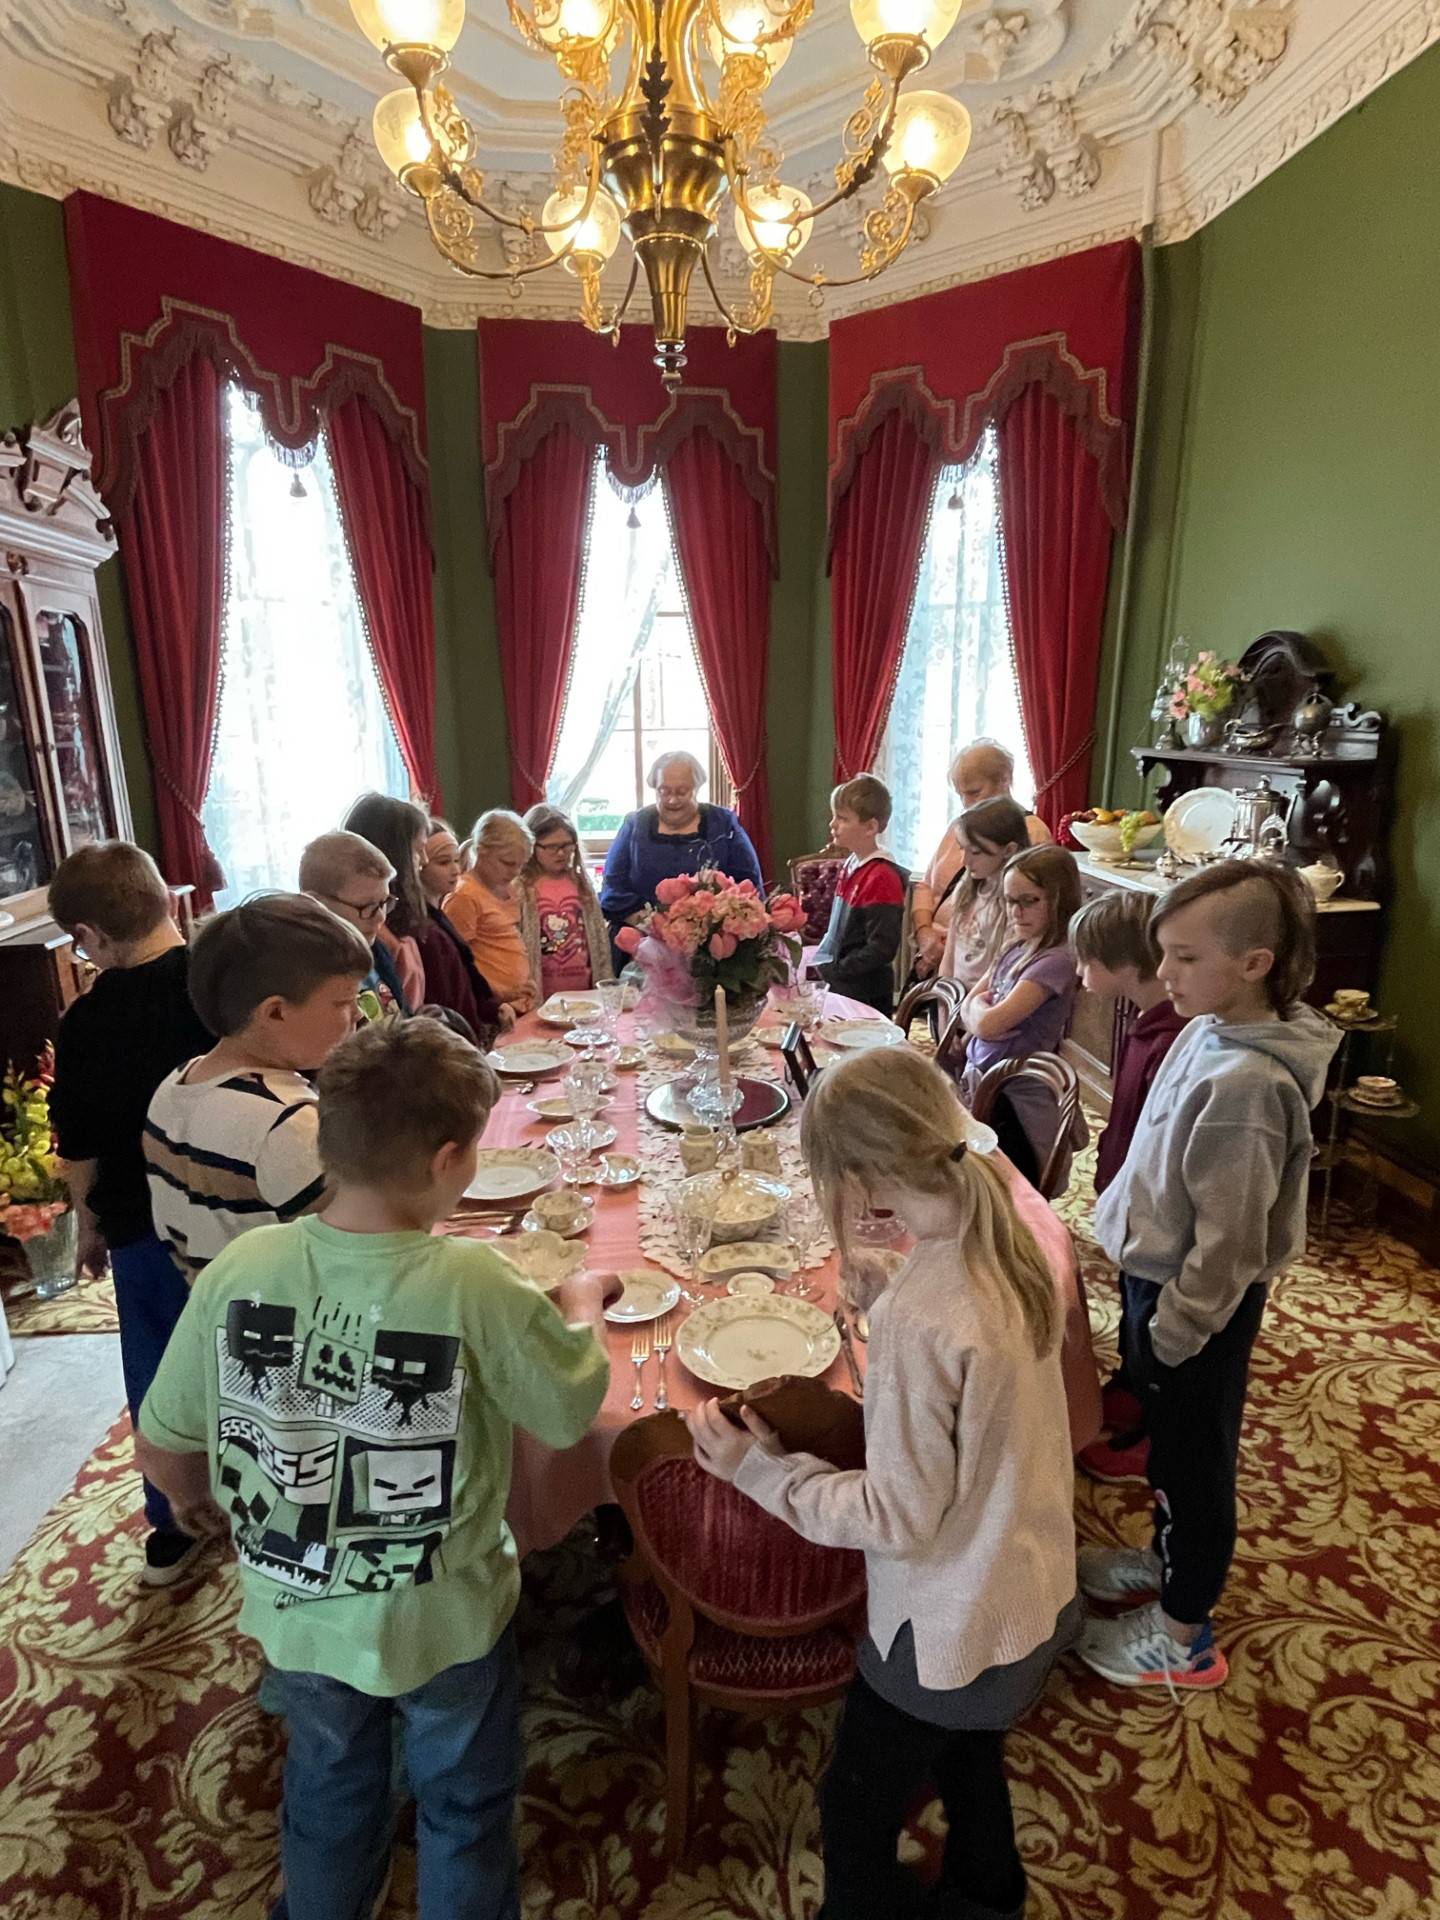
(677, 835)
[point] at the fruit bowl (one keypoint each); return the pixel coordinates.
(1105, 842)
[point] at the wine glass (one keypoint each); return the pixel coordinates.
(583, 1085)
(694, 1225)
(612, 1005)
(804, 1225)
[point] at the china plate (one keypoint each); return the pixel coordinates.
(857, 1035)
(567, 1009)
(512, 1173)
(735, 1342)
(620, 1169)
(544, 1258)
(768, 1256)
(1198, 822)
(646, 1296)
(602, 1136)
(554, 1107)
(530, 1059)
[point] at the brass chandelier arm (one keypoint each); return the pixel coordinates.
(757, 321)
(458, 181)
(819, 280)
(785, 30)
(592, 314)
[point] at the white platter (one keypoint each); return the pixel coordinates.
(568, 1009)
(1199, 821)
(544, 1258)
(530, 1059)
(646, 1296)
(735, 1342)
(764, 1256)
(856, 1036)
(512, 1173)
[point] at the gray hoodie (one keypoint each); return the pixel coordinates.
(1211, 1197)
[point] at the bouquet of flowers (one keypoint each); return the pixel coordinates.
(710, 931)
(1207, 686)
(32, 1194)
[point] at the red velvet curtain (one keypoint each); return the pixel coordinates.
(172, 532)
(720, 540)
(384, 516)
(879, 534)
(1057, 556)
(538, 558)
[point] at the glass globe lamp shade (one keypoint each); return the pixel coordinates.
(775, 226)
(401, 135)
(559, 21)
(410, 23)
(597, 235)
(929, 20)
(744, 22)
(931, 136)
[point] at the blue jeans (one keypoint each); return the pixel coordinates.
(461, 1737)
(150, 1296)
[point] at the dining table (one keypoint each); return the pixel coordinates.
(551, 1490)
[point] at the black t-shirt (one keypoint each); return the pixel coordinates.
(116, 1044)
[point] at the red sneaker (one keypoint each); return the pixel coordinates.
(1120, 1410)
(1116, 1466)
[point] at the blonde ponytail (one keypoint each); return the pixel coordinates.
(890, 1117)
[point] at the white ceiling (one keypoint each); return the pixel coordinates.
(1091, 117)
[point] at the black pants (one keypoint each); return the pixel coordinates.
(1192, 1415)
(882, 1756)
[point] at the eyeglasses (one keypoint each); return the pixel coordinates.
(553, 846)
(364, 909)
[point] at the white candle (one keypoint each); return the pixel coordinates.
(722, 1039)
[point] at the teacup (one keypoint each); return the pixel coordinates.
(1378, 1087)
(562, 1212)
(1351, 998)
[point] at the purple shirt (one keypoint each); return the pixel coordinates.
(1041, 1031)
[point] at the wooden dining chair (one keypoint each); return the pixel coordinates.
(1059, 1079)
(813, 880)
(729, 1606)
(940, 1000)
(799, 1060)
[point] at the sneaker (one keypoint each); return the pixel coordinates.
(1119, 1408)
(1118, 1573)
(1135, 1650)
(169, 1557)
(1117, 1461)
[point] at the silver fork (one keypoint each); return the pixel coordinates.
(664, 1340)
(639, 1354)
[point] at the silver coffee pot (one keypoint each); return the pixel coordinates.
(1261, 824)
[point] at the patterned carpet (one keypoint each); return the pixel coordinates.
(143, 1779)
(89, 1307)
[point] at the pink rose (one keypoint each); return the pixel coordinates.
(786, 916)
(673, 889)
(628, 939)
(722, 945)
(1178, 709)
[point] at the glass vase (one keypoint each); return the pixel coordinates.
(52, 1257)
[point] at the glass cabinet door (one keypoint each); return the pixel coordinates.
(24, 859)
(68, 689)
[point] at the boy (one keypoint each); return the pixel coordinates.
(1113, 947)
(352, 878)
(857, 955)
(1208, 1206)
(230, 1139)
(341, 1393)
(116, 1044)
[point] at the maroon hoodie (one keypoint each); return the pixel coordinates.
(1145, 1046)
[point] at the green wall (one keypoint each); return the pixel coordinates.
(37, 375)
(1306, 412)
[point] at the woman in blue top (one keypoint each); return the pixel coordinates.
(677, 835)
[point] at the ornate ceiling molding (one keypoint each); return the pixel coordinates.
(1183, 106)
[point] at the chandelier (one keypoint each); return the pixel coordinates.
(663, 114)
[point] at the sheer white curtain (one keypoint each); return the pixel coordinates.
(957, 671)
(302, 727)
(626, 569)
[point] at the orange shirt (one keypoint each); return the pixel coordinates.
(490, 927)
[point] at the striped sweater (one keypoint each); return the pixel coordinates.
(226, 1155)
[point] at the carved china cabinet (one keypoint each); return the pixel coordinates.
(61, 784)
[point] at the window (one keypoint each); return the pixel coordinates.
(635, 687)
(302, 726)
(957, 670)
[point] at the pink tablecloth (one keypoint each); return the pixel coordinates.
(550, 1491)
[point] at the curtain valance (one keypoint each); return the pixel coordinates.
(537, 375)
(952, 362)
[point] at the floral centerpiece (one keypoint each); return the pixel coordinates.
(708, 931)
(1202, 693)
(34, 1204)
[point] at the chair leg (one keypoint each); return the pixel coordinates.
(679, 1759)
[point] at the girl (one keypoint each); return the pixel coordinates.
(451, 977)
(963, 1508)
(1022, 1004)
(397, 830)
(485, 907)
(566, 940)
(990, 833)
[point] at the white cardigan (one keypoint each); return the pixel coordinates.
(964, 1507)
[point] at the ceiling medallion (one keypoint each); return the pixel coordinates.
(663, 115)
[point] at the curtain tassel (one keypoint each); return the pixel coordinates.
(297, 488)
(632, 521)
